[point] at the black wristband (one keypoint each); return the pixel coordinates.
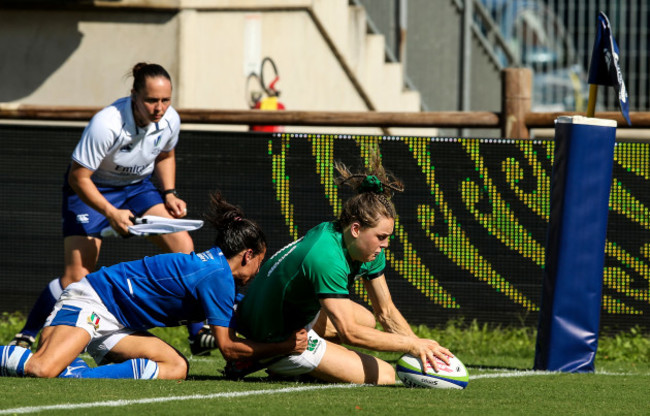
(170, 191)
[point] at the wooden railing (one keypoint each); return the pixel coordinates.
(514, 121)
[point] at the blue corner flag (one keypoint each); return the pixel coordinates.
(604, 68)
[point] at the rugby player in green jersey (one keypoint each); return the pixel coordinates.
(308, 283)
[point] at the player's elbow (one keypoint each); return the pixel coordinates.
(350, 336)
(73, 181)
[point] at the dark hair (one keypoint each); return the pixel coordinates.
(374, 188)
(142, 70)
(234, 232)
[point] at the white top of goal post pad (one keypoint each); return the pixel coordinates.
(589, 121)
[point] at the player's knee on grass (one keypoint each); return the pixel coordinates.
(176, 368)
(387, 375)
(42, 368)
(342, 365)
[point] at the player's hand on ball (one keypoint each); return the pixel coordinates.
(448, 376)
(428, 349)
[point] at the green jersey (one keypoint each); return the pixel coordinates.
(284, 296)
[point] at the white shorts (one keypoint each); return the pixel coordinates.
(293, 365)
(81, 307)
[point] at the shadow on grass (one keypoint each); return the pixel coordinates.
(260, 379)
(308, 380)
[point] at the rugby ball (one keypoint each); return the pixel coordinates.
(452, 376)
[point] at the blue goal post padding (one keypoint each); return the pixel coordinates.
(567, 336)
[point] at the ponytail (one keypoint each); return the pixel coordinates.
(142, 70)
(234, 232)
(374, 187)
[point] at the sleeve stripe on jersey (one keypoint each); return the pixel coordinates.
(375, 275)
(333, 295)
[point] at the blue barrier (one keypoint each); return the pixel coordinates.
(567, 338)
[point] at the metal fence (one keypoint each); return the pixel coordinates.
(553, 37)
(629, 20)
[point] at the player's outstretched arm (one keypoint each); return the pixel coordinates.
(398, 338)
(390, 318)
(233, 347)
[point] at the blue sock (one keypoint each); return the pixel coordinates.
(137, 368)
(194, 328)
(13, 360)
(42, 308)
(74, 369)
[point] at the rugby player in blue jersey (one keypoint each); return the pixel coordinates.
(108, 312)
(109, 182)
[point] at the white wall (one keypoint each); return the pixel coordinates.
(83, 57)
(79, 58)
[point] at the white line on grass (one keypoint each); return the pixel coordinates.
(514, 374)
(528, 373)
(119, 403)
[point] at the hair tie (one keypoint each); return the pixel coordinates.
(237, 218)
(371, 184)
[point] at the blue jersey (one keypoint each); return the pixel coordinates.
(168, 290)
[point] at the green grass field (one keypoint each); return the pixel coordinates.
(498, 359)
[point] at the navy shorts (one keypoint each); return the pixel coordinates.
(80, 219)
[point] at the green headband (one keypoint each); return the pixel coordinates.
(371, 184)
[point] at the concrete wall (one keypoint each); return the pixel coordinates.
(434, 34)
(213, 62)
(82, 56)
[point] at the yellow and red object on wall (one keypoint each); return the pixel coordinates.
(268, 104)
